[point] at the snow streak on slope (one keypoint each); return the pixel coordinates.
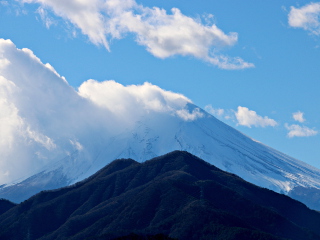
(52, 136)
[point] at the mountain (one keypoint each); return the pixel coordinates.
(206, 137)
(53, 135)
(5, 205)
(176, 195)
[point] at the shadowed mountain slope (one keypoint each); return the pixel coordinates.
(5, 205)
(177, 195)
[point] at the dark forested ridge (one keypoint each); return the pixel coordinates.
(5, 205)
(175, 196)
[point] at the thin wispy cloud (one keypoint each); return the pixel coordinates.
(186, 115)
(299, 131)
(48, 21)
(163, 34)
(4, 3)
(223, 114)
(219, 112)
(306, 17)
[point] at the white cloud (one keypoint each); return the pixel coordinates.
(38, 113)
(300, 131)
(248, 118)
(133, 101)
(214, 111)
(187, 116)
(44, 17)
(298, 116)
(76, 145)
(84, 14)
(4, 63)
(4, 3)
(40, 138)
(10, 122)
(43, 119)
(306, 17)
(164, 35)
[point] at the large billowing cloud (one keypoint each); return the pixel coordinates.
(43, 119)
(162, 34)
(120, 99)
(306, 17)
(37, 117)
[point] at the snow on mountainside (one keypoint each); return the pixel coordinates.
(215, 142)
(53, 136)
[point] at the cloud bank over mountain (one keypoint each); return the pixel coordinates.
(43, 119)
(48, 127)
(162, 34)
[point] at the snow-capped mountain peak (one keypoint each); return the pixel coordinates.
(53, 136)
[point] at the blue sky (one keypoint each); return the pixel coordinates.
(271, 94)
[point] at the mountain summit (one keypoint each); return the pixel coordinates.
(55, 136)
